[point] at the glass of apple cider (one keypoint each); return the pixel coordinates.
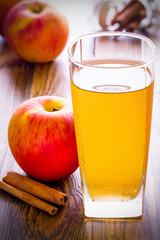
(112, 80)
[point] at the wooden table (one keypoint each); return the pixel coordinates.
(19, 81)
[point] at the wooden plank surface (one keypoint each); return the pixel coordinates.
(19, 81)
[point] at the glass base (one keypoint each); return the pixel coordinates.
(113, 209)
(110, 209)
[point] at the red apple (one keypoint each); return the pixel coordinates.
(5, 6)
(36, 31)
(41, 137)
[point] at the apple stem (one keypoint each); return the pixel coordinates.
(55, 109)
(37, 9)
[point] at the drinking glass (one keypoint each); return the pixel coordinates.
(112, 81)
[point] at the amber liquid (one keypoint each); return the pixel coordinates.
(112, 131)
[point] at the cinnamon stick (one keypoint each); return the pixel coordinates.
(28, 198)
(128, 5)
(133, 25)
(35, 188)
(131, 11)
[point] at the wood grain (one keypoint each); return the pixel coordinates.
(19, 81)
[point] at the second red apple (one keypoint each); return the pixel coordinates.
(36, 31)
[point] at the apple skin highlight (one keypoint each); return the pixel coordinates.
(41, 140)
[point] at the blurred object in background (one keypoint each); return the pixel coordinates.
(155, 8)
(126, 15)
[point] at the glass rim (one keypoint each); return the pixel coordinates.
(114, 34)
